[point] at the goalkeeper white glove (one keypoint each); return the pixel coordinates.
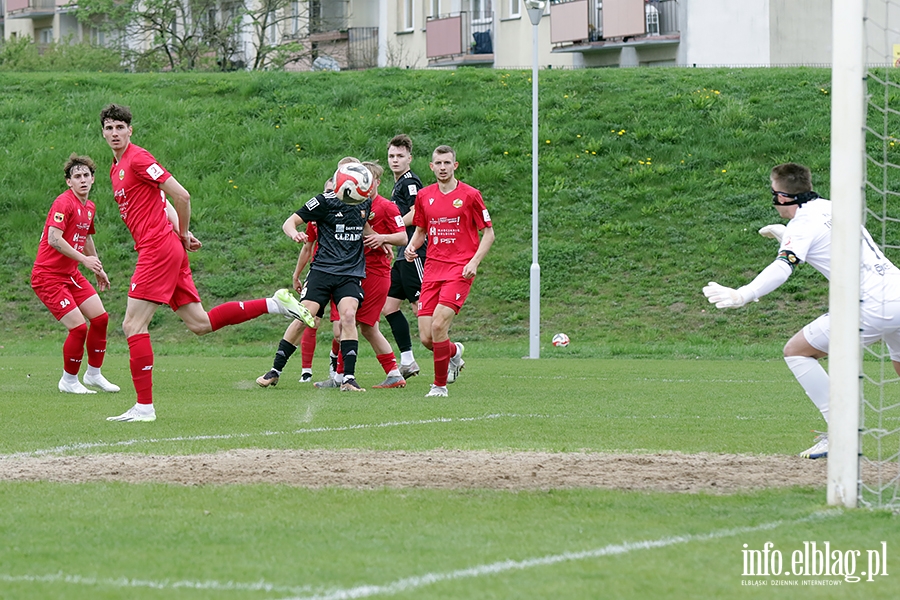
(723, 297)
(773, 231)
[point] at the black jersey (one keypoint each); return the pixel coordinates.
(340, 244)
(406, 188)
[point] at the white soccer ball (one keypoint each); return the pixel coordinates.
(353, 183)
(560, 340)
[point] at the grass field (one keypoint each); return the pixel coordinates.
(155, 540)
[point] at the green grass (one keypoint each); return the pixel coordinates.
(651, 185)
(114, 540)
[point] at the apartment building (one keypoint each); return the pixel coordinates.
(358, 34)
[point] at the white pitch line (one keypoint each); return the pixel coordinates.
(124, 582)
(230, 436)
(408, 583)
(411, 583)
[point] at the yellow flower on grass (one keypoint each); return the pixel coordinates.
(548, 141)
(505, 153)
(724, 171)
(579, 135)
(234, 186)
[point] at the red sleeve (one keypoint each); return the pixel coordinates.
(147, 169)
(480, 212)
(419, 216)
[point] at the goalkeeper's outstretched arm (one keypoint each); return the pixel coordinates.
(768, 280)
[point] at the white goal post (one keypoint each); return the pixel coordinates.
(848, 91)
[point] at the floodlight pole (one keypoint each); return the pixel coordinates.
(535, 12)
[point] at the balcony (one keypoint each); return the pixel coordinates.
(582, 26)
(30, 9)
(460, 39)
(353, 48)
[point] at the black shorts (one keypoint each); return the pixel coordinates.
(323, 287)
(406, 280)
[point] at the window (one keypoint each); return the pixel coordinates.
(435, 8)
(514, 8)
(407, 22)
(481, 10)
(295, 18)
(45, 36)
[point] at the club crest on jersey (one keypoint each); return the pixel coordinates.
(121, 174)
(457, 203)
(59, 217)
(371, 215)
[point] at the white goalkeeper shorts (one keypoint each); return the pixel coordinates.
(881, 322)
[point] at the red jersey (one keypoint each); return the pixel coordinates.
(384, 219)
(451, 223)
(76, 220)
(135, 181)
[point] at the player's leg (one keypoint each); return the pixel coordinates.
(802, 354)
(347, 307)
(93, 310)
(73, 352)
(453, 295)
(441, 345)
(385, 355)
(308, 351)
(138, 314)
(397, 295)
(286, 348)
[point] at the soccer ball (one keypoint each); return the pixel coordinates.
(560, 340)
(352, 183)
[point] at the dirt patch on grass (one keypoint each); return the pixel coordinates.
(444, 469)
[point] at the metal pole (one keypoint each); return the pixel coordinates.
(534, 349)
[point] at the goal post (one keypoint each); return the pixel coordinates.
(848, 99)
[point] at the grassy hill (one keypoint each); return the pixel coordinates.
(652, 182)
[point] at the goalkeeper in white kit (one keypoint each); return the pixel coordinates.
(807, 238)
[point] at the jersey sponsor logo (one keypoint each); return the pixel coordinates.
(486, 216)
(155, 171)
(431, 201)
(413, 189)
(339, 228)
(121, 174)
(312, 203)
(457, 203)
(339, 214)
(59, 217)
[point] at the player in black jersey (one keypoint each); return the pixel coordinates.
(406, 277)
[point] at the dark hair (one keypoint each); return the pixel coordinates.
(76, 161)
(792, 178)
(401, 141)
(445, 149)
(115, 112)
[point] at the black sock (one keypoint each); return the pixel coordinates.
(349, 349)
(285, 349)
(400, 329)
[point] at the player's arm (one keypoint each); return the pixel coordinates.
(172, 214)
(181, 201)
(57, 242)
(90, 250)
(292, 226)
(408, 217)
(767, 281)
(411, 251)
(303, 259)
(487, 240)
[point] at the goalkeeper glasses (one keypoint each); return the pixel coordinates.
(799, 199)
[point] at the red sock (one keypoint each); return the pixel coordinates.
(232, 313)
(340, 361)
(335, 346)
(388, 361)
(441, 361)
(141, 363)
(96, 340)
(73, 349)
(453, 349)
(308, 347)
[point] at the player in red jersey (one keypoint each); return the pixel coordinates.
(163, 272)
(65, 242)
(388, 230)
(449, 214)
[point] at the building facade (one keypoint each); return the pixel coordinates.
(359, 34)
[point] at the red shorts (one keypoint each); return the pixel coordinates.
(61, 293)
(163, 275)
(375, 290)
(449, 292)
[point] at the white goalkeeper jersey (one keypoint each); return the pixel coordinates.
(807, 238)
